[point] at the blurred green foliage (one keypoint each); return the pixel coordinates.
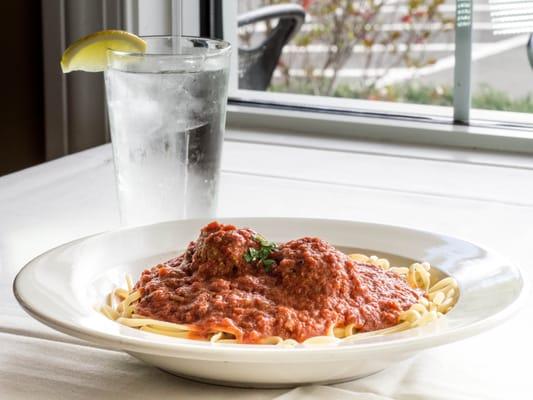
(491, 99)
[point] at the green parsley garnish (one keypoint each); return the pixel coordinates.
(261, 255)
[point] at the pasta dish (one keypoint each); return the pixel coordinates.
(232, 285)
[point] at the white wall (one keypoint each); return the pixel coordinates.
(155, 17)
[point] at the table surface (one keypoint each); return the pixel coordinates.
(483, 197)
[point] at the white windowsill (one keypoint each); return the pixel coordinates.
(483, 175)
(310, 124)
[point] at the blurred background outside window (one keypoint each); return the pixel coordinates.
(388, 50)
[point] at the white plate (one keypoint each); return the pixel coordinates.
(61, 288)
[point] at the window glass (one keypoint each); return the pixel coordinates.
(502, 75)
(388, 50)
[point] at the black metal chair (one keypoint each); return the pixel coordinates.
(257, 64)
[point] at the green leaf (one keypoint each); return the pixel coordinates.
(261, 255)
(268, 262)
(250, 255)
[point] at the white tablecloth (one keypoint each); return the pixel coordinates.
(72, 197)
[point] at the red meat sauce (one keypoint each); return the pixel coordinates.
(310, 288)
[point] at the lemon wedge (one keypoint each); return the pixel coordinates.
(90, 52)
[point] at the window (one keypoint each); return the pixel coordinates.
(383, 57)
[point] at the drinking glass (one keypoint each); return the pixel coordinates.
(166, 111)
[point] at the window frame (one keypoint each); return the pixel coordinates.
(466, 127)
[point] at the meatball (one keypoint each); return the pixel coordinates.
(220, 250)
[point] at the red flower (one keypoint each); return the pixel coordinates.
(306, 3)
